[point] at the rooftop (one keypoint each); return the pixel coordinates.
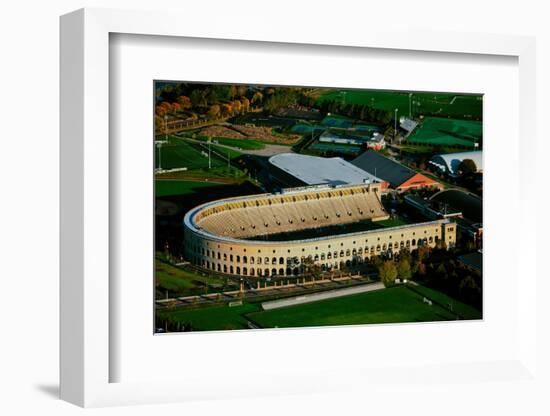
(384, 168)
(313, 170)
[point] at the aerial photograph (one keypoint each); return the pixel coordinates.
(293, 206)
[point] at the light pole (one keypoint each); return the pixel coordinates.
(395, 125)
(159, 145)
(209, 159)
(410, 108)
(166, 127)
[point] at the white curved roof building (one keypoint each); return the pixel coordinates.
(313, 170)
(449, 162)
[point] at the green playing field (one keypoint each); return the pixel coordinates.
(447, 132)
(446, 104)
(180, 154)
(392, 305)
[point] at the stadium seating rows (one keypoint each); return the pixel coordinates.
(270, 215)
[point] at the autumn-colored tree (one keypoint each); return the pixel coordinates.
(214, 111)
(176, 108)
(245, 102)
(236, 106)
(226, 109)
(257, 97)
(185, 102)
(159, 123)
(160, 111)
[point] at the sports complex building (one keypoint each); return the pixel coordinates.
(281, 234)
(399, 177)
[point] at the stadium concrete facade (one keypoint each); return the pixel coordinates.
(232, 236)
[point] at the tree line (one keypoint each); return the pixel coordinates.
(435, 268)
(362, 112)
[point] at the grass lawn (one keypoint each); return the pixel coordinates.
(178, 187)
(225, 152)
(184, 155)
(465, 311)
(182, 282)
(212, 318)
(392, 305)
(447, 132)
(247, 144)
(446, 104)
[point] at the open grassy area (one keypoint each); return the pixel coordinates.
(181, 154)
(392, 305)
(212, 318)
(178, 187)
(446, 104)
(435, 131)
(465, 311)
(247, 144)
(184, 282)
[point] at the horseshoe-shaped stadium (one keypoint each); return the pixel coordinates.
(279, 234)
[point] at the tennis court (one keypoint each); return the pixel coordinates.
(333, 147)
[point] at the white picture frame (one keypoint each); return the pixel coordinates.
(85, 210)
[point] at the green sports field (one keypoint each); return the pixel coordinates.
(392, 305)
(447, 132)
(184, 155)
(447, 104)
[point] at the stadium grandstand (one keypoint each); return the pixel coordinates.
(297, 170)
(219, 235)
(448, 163)
(399, 177)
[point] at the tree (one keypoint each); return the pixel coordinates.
(404, 269)
(185, 102)
(388, 273)
(214, 111)
(311, 268)
(467, 167)
(257, 97)
(226, 110)
(245, 103)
